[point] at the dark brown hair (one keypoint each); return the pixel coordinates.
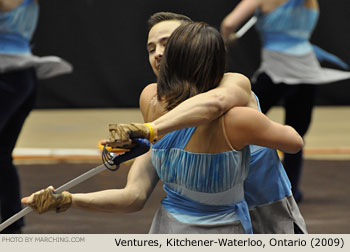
(165, 16)
(193, 62)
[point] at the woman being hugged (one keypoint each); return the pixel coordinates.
(203, 168)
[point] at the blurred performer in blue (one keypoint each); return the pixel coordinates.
(290, 68)
(19, 70)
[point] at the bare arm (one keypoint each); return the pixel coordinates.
(8, 5)
(247, 126)
(142, 179)
(237, 16)
(234, 90)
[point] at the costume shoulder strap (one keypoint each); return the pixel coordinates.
(222, 120)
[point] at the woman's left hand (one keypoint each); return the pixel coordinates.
(47, 200)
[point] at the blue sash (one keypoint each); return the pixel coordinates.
(174, 203)
(13, 43)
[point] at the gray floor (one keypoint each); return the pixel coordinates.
(326, 206)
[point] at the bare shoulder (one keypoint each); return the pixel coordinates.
(149, 92)
(147, 101)
(313, 4)
(236, 77)
(270, 5)
(8, 5)
(150, 107)
(254, 3)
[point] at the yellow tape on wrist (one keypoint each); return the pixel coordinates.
(152, 133)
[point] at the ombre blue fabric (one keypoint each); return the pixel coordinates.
(175, 204)
(17, 28)
(194, 182)
(267, 180)
(288, 29)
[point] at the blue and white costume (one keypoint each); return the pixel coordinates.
(285, 34)
(19, 70)
(16, 30)
(290, 71)
(267, 191)
(204, 191)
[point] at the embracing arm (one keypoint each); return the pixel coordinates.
(237, 16)
(234, 90)
(248, 126)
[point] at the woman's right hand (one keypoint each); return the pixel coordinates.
(121, 134)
